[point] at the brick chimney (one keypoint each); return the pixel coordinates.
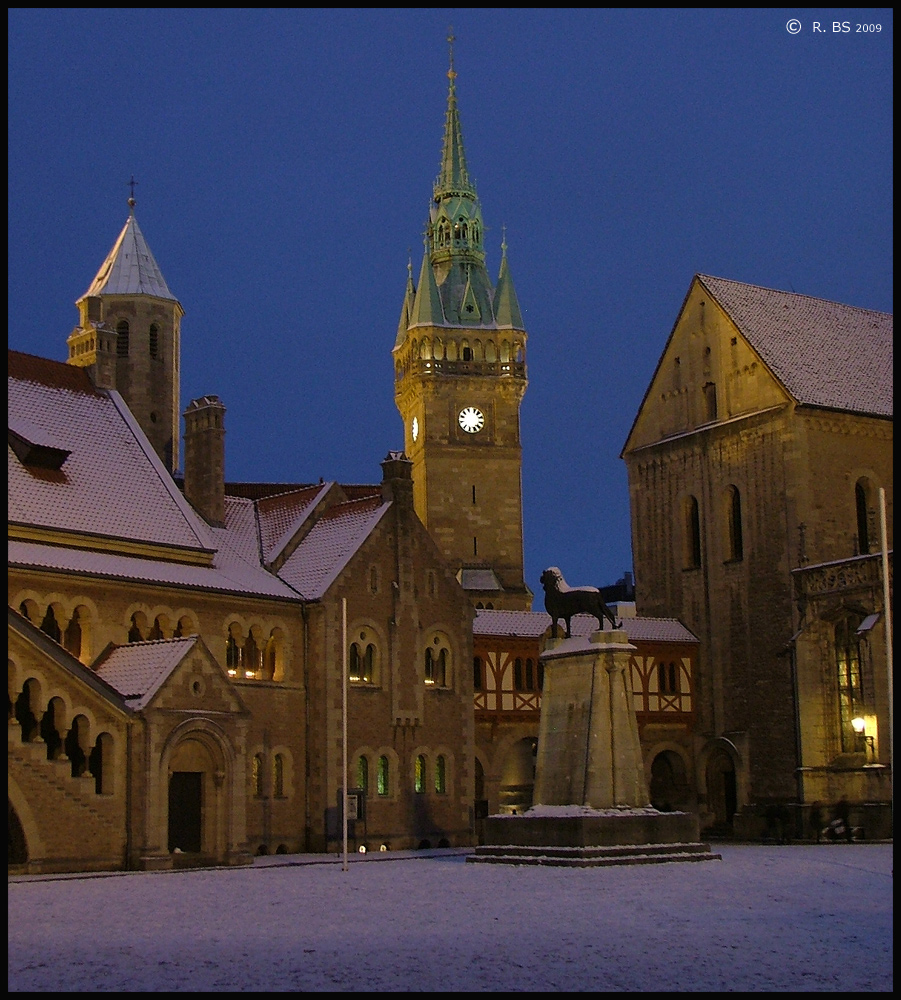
(205, 458)
(397, 479)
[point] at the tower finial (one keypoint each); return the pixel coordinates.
(131, 200)
(504, 239)
(451, 73)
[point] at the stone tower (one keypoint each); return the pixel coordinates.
(459, 380)
(128, 338)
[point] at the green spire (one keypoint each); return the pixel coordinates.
(453, 180)
(506, 304)
(427, 306)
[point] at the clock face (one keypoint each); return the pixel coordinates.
(414, 428)
(472, 420)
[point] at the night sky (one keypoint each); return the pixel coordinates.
(284, 161)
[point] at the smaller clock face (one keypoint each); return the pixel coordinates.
(472, 420)
(414, 429)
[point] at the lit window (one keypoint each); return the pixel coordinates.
(440, 774)
(382, 776)
(419, 774)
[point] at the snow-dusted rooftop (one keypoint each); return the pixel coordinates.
(825, 353)
(534, 624)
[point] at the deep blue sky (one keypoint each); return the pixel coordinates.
(285, 161)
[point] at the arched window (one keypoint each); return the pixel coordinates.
(278, 776)
(437, 663)
(692, 528)
(122, 339)
(440, 774)
(72, 638)
(135, 631)
(362, 658)
(850, 682)
(232, 656)
(709, 401)
(258, 775)
(419, 774)
(863, 511)
(363, 774)
(734, 543)
(51, 626)
(382, 776)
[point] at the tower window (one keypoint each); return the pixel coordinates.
(154, 340)
(122, 339)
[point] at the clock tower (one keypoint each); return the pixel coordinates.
(459, 380)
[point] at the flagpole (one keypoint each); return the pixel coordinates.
(887, 606)
(344, 728)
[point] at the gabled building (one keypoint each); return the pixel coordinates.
(179, 661)
(756, 463)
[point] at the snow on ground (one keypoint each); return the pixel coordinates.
(776, 919)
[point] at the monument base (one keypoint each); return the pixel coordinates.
(581, 837)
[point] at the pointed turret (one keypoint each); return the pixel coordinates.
(506, 304)
(459, 379)
(128, 337)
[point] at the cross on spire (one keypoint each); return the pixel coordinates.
(132, 184)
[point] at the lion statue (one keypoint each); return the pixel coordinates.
(563, 601)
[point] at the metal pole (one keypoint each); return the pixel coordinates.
(344, 728)
(887, 605)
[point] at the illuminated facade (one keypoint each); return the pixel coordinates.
(755, 467)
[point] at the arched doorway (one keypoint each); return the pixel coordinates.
(193, 793)
(722, 788)
(17, 847)
(669, 788)
(518, 776)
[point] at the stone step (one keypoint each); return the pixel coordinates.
(587, 857)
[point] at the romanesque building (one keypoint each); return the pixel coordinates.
(756, 464)
(196, 674)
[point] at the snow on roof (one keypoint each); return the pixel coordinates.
(534, 624)
(112, 483)
(138, 670)
(825, 353)
(281, 516)
(334, 539)
(229, 574)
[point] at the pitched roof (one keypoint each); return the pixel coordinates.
(534, 624)
(331, 543)
(824, 353)
(130, 268)
(138, 670)
(111, 483)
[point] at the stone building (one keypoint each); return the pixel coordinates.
(179, 662)
(755, 465)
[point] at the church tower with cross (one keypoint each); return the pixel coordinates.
(128, 337)
(459, 381)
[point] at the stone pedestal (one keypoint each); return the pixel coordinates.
(588, 748)
(591, 797)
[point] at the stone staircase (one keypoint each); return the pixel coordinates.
(592, 857)
(80, 825)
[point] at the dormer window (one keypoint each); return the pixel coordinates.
(35, 447)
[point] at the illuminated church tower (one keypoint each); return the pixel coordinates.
(459, 380)
(128, 337)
